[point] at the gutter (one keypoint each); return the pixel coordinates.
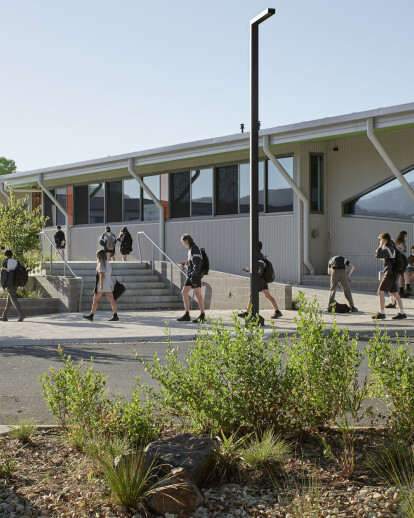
(302, 197)
(154, 199)
(59, 206)
(394, 169)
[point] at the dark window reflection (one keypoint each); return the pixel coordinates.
(202, 192)
(227, 190)
(97, 203)
(180, 195)
(279, 194)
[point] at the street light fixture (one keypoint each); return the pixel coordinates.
(254, 157)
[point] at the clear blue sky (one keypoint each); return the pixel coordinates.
(83, 79)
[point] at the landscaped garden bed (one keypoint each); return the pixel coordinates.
(278, 421)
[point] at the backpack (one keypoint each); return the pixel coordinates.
(205, 264)
(340, 308)
(268, 272)
(21, 275)
(400, 262)
(110, 242)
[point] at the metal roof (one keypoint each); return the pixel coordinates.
(151, 161)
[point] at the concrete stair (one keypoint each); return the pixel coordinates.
(144, 289)
(357, 283)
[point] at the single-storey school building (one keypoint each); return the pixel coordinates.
(327, 187)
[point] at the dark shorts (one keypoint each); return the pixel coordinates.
(194, 281)
(389, 283)
(112, 252)
(263, 284)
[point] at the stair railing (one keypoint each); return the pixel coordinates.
(155, 246)
(43, 243)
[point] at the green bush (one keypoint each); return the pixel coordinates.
(24, 293)
(392, 366)
(231, 379)
(78, 399)
(23, 430)
(265, 451)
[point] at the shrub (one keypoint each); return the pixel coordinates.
(266, 451)
(23, 430)
(230, 380)
(78, 399)
(392, 367)
(229, 454)
(7, 463)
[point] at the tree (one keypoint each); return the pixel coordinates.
(19, 229)
(7, 166)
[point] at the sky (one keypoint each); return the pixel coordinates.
(84, 79)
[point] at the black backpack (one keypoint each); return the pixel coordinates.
(400, 262)
(339, 308)
(268, 272)
(21, 275)
(205, 264)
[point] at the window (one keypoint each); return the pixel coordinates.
(81, 205)
(279, 193)
(389, 200)
(151, 211)
(316, 183)
(132, 200)
(202, 192)
(61, 197)
(180, 186)
(227, 190)
(49, 209)
(245, 187)
(96, 203)
(113, 191)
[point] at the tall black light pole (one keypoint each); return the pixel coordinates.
(254, 156)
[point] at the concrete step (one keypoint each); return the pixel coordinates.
(131, 285)
(127, 306)
(137, 293)
(357, 283)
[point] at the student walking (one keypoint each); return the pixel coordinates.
(337, 269)
(60, 240)
(104, 285)
(193, 263)
(264, 288)
(108, 241)
(400, 244)
(7, 282)
(386, 252)
(125, 240)
(409, 272)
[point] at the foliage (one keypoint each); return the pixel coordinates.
(7, 463)
(23, 430)
(392, 367)
(19, 229)
(230, 379)
(394, 462)
(266, 450)
(78, 399)
(131, 481)
(229, 453)
(24, 293)
(7, 166)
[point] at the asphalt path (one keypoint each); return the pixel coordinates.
(21, 365)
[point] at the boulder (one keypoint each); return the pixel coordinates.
(176, 493)
(194, 454)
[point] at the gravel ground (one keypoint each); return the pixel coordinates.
(52, 479)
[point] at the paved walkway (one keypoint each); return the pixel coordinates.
(149, 325)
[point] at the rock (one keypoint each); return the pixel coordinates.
(175, 494)
(194, 454)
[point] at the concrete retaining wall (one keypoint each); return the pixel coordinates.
(65, 289)
(225, 290)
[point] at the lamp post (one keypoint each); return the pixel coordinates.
(254, 157)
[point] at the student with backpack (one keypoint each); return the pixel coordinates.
(108, 241)
(263, 286)
(60, 240)
(392, 265)
(337, 269)
(194, 265)
(125, 243)
(8, 282)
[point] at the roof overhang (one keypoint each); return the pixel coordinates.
(213, 151)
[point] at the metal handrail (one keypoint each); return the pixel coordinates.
(65, 263)
(172, 263)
